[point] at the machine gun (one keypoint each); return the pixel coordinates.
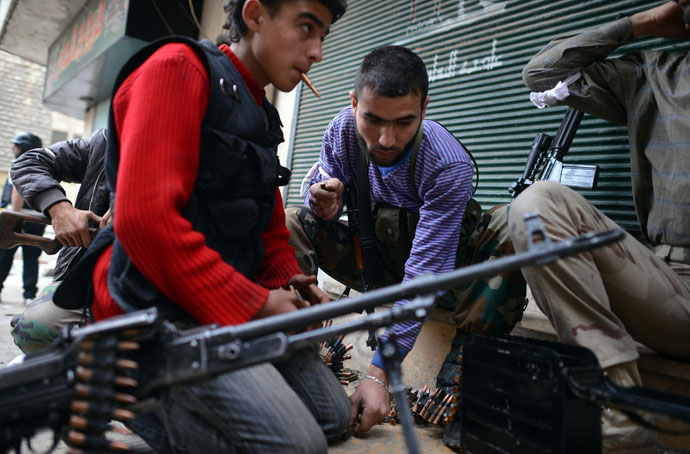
(547, 155)
(114, 368)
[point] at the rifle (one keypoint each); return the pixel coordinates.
(366, 277)
(12, 232)
(114, 368)
(551, 153)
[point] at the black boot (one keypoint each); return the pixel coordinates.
(449, 380)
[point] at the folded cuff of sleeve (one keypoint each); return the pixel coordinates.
(378, 359)
(45, 199)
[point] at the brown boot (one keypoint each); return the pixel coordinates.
(619, 434)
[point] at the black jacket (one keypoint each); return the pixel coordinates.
(37, 175)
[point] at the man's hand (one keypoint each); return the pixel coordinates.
(370, 402)
(326, 198)
(663, 21)
(107, 219)
(71, 225)
(280, 301)
(306, 286)
(302, 292)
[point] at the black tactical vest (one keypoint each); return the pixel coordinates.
(234, 195)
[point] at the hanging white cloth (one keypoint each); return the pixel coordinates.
(549, 98)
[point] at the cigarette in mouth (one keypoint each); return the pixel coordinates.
(310, 85)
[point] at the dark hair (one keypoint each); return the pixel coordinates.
(393, 71)
(27, 141)
(237, 28)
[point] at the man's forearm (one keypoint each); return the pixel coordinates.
(59, 209)
(641, 24)
(567, 55)
(663, 21)
(603, 84)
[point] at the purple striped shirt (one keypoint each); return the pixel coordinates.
(443, 176)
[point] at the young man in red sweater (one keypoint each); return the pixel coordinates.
(199, 227)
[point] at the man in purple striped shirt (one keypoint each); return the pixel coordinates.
(426, 185)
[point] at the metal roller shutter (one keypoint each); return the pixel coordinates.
(474, 51)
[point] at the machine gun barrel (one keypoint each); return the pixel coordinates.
(212, 350)
(541, 253)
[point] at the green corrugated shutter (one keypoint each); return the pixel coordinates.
(483, 100)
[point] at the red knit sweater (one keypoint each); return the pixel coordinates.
(158, 112)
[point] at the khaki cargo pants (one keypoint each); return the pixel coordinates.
(491, 306)
(608, 298)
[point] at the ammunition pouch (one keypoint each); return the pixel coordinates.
(395, 228)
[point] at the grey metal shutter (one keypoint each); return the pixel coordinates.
(474, 51)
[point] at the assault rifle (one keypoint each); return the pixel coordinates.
(366, 275)
(115, 368)
(12, 232)
(547, 154)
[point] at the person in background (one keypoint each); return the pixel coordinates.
(21, 143)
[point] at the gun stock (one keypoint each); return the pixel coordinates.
(12, 232)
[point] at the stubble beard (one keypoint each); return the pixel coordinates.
(372, 158)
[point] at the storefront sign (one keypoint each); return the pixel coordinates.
(99, 24)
